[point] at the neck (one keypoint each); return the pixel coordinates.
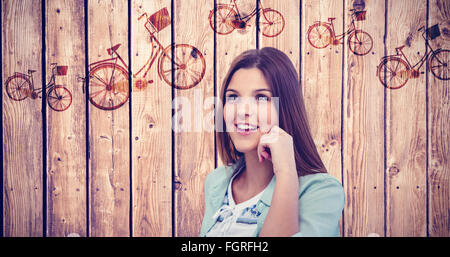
(256, 175)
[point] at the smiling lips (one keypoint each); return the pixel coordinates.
(245, 128)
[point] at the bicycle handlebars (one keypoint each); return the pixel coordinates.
(140, 17)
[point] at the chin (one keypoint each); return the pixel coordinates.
(245, 144)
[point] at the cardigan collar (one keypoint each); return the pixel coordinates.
(221, 187)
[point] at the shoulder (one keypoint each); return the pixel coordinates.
(320, 186)
(321, 201)
(217, 177)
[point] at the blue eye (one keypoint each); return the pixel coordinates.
(231, 98)
(262, 98)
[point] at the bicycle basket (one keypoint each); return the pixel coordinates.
(360, 16)
(433, 32)
(61, 70)
(160, 19)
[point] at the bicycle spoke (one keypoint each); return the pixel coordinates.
(387, 65)
(60, 104)
(103, 99)
(228, 14)
(396, 67)
(100, 79)
(195, 74)
(184, 55)
(52, 97)
(440, 72)
(191, 58)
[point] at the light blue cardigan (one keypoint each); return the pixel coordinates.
(320, 200)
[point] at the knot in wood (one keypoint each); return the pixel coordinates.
(393, 170)
(177, 184)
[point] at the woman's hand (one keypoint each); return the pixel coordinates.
(282, 219)
(278, 146)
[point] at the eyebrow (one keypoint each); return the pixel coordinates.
(257, 90)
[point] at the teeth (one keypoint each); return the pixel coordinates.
(246, 127)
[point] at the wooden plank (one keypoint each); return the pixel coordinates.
(322, 83)
(151, 130)
(438, 129)
(288, 39)
(194, 142)
(109, 163)
(66, 130)
(322, 86)
(363, 125)
(229, 46)
(22, 153)
(406, 126)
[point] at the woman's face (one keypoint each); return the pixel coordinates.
(250, 110)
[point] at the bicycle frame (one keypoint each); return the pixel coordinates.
(340, 36)
(422, 60)
(49, 85)
(249, 16)
(148, 64)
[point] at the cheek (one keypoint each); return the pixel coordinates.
(267, 116)
(229, 112)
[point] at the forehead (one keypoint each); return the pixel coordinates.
(248, 80)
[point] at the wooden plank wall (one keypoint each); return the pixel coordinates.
(126, 172)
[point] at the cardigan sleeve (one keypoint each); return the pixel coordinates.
(320, 208)
(207, 206)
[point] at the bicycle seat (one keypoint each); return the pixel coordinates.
(113, 49)
(31, 71)
(331, 19)
(400, 48)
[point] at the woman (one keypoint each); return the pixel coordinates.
(274, 183)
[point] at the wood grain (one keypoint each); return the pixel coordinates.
(322, 84)
(363, 128)
(288, 40)
(322, 80)
(438, 130)
(66, 130)
(230, 46)
(390, 148)
(109, 163)
(406, 127)
(194, 144)
(22, 121)
(151, 132)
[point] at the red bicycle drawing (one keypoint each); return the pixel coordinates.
(395, 70)
(20, 86)
(229, 18)
(108, 80)
(322, 34)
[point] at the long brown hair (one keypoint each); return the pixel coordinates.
(282, 77)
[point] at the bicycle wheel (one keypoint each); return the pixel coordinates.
(18, 87)
(189, 66)
(393, 73)
(319, 35)
(224, 17)
(360, 42)
(439, 64)
(271, 23)
(59, 98)
(108, 86)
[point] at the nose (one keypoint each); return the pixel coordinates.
(245, 107)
